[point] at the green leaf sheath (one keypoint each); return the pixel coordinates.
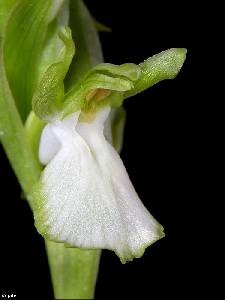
(23, 40)
(14, 138)
(165, 65)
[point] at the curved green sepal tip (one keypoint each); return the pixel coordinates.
(164, 65)
(47, 100)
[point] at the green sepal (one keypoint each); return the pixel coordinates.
(164, 65)
(47, 100)
(128, 71)
(98, 80)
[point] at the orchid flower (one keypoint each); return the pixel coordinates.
(61, 126)
(84, 197)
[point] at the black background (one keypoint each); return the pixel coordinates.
(161, 137)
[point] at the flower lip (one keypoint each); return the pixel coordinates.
(85, 197)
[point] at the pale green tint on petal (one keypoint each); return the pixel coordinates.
(164, 65)
(47, 100)
(85, 198)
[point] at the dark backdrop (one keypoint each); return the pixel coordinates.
(159, 143)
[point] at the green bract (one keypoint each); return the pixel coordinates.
(47, 100)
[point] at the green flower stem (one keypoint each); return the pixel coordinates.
(73, 271)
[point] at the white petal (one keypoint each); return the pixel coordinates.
(132, 227)
(49, 143)
(87, 199)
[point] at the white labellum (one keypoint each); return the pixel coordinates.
(85, 197)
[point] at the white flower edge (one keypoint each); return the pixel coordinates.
(85, 198)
